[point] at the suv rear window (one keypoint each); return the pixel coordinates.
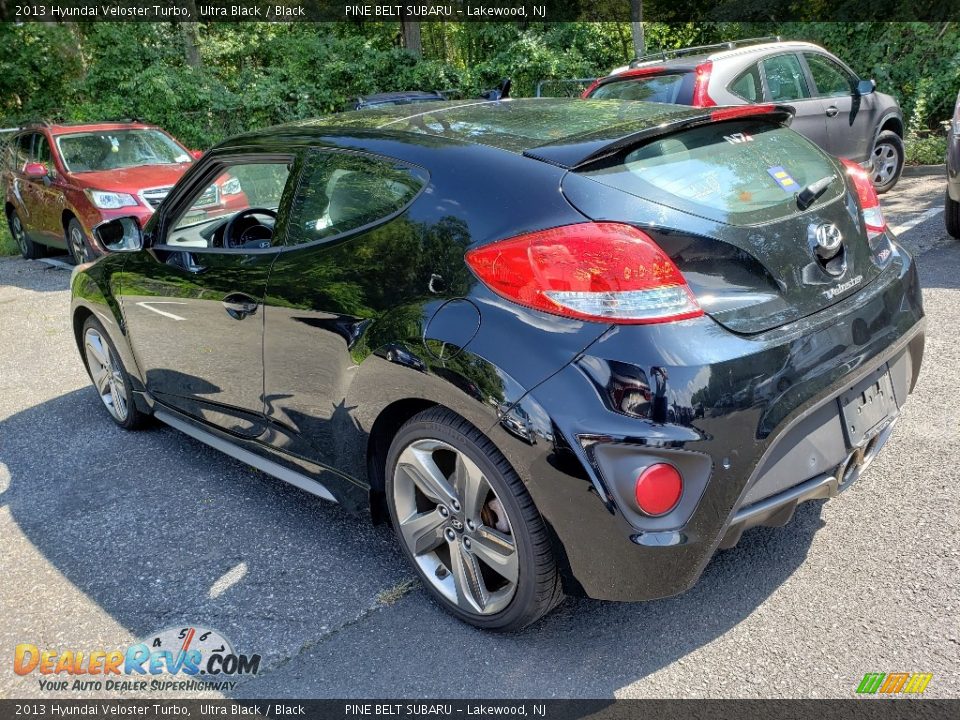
(739, 172)
(673, 88)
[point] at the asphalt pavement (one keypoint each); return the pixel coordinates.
(107, 537)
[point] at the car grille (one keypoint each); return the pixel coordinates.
(211, 196)
(154, 196)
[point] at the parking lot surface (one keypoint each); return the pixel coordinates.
(108, 536)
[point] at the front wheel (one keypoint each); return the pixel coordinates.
(952, 216)
(467, 524)
(109, 376)
(77, 243)
(888, 158)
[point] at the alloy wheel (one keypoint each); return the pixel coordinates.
(455, 527)
(106, 374)
(885, 160)
(78, 248)
(16, 229)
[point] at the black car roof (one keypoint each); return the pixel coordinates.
(562, 131)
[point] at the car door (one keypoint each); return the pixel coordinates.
(352, 258)
(29, 191)
(48, 196)
(785, 83)
(849, 117)
(193, 300)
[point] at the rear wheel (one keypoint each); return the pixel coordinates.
(29, 249)
(888, 159)
(467, 524)
(110, 378)
(952, 216)
(77, 244)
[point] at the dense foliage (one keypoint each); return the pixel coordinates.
(206, 81)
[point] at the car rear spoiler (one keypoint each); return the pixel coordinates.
(581, 152)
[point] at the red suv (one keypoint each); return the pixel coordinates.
(61, 181)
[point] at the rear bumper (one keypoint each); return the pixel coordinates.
(731, 412)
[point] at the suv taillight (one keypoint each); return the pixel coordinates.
(869, 200)
(590, 271)
(701, 81)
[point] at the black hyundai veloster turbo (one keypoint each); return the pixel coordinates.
(564, 346)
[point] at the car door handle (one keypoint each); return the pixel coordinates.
(832, 111)
(239, 306)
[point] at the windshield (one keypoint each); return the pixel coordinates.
(675, 88)
(114, 149)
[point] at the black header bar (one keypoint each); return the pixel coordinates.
(474, 10)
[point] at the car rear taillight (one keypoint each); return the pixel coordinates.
(869, 200)
(590, 271)
(658, 489)
(701, 95)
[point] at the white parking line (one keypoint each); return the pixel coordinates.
(916, 220)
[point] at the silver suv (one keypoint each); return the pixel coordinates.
(833, 107)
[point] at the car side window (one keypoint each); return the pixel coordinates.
(41, 151)
(748, 85)
(785, 78)
(22, 150)
(237, 210)
(829, 77)
(343, 191)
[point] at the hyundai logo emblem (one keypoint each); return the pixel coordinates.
(829, 239)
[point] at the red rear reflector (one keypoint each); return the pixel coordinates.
(739, 111)
(869, 200)
(658, 489)
(701, 96)
(590, 271)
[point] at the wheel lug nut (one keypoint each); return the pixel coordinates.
(466, 543)
(456, 505)
(443, 510)
(449, 534)
(470, 525)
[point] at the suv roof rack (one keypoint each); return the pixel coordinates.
(700, 49)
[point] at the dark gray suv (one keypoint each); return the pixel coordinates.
(834, 108)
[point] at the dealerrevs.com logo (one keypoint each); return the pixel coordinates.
(179, 659)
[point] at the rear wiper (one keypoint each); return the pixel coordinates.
(807, 196)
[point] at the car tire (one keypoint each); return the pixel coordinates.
(28, 248)
(78, 245)
(951, 214)
(450, 541)
(108, 375)
(888, 157)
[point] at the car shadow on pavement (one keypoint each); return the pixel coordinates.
(19, 273)
(940, 267)
(161, 531)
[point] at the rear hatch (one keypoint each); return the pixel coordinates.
(721, 198)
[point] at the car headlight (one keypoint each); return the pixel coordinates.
(111, 200)
(232, 187)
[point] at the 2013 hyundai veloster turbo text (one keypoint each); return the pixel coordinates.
(564, 346)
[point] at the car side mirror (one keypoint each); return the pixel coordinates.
(120, 235)
(196, 154)
(865, 87)
(35, 170)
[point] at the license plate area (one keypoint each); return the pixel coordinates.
(867, 407)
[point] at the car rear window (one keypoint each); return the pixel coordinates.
(738, 172)
(674, 88)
